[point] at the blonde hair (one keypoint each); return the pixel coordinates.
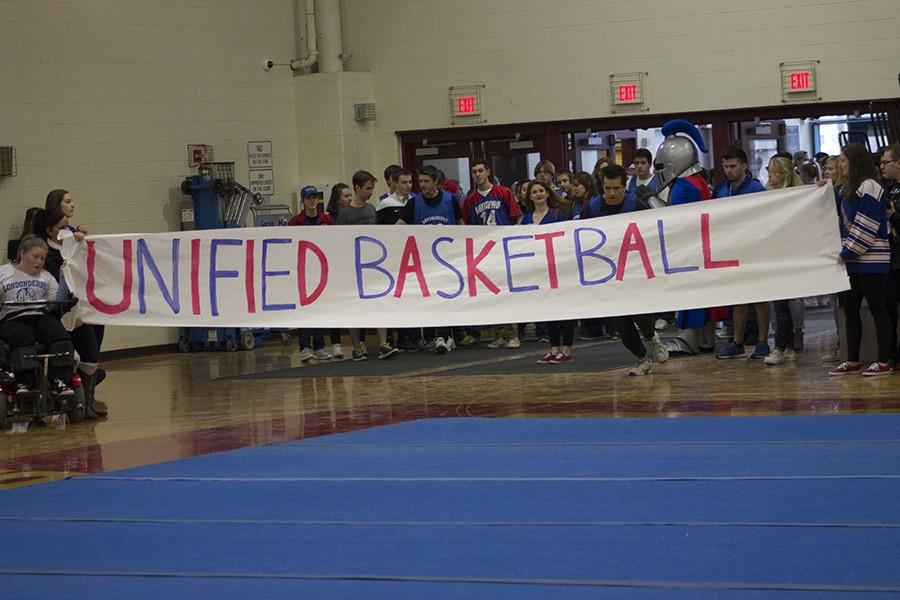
(786, 168)
(29, 243)
(839, 180)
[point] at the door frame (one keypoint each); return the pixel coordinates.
(723, 131)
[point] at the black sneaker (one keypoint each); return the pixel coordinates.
(387, 351)
(61, 390)
(22, 389)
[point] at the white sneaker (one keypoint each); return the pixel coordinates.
(321, 354)
(790, 354)
(306, 354)
(658, 350)
(451, 344)
(498, 343)
(337, 351)
(776, 357)
(440, 346)
(513, 343)
(660, 324)
(642, 368)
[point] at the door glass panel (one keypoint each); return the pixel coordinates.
(760, 152)
(453, 168)
(514, 166)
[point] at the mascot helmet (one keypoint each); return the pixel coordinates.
(677, 155)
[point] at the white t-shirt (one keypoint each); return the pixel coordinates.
(19, 286)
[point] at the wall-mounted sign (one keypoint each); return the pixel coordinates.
(626, 92)
(801, 81)
(798, 81)
(259, 155)
(465, 104)
(262, 181)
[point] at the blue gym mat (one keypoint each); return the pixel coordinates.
(752, 507)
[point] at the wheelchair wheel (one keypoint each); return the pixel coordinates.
(4, 409)
(76, 413)
(247, 341)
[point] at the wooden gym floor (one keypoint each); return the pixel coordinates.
(173, 406)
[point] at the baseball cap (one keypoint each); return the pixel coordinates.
(307, 191)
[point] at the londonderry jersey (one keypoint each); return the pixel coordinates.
(497, 207)
(18, 286)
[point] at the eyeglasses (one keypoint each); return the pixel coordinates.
(884, 162)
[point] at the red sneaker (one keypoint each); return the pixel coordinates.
(876, 369)
(560, 359)
(844, 368)
(547, 358)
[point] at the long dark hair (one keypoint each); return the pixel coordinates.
(336, 190)
(45, 219)
(861, 166)
(554, 202)
(28, 225)
(55, 198)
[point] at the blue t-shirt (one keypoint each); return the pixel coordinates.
(551, 216)
(750, 185)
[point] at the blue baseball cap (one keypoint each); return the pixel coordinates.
(307, 191)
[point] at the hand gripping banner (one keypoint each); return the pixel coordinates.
(765, 246)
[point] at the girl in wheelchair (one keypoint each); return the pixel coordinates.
(27, 294)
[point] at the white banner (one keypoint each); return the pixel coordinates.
(766, 246)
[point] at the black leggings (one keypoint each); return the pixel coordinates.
(893, 297)
(561, 331)
(630, 337)
(28, 330)
(874, 288)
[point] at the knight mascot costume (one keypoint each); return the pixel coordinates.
(679, 180)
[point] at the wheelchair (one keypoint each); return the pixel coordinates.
(40, 401)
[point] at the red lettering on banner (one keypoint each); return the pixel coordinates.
(411, 263)
(472, 270)
(631, 242)
(127, 278)
(708, 262)
(551, 255)
(195, 276)
(248, 278)
(302, 248)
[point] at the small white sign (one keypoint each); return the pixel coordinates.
(262, 181)
(259, 155)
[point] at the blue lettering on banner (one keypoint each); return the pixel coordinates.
(214, 274)
(266, 274)
(371, 265)
(580, 253)
(509, 258)
(170, 296)
(440, 259)
(665, 256)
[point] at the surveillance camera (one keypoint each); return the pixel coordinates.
(267, 65)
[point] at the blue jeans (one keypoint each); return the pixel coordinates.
(784, 324)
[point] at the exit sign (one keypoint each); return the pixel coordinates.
(627, 93)
(465, 105)
(800, 81)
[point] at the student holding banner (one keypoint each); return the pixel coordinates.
(546, 207)
(492, 204)
(615, 200)
(433, 206)
(360, 212)
(312, 341)
(739, 181)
